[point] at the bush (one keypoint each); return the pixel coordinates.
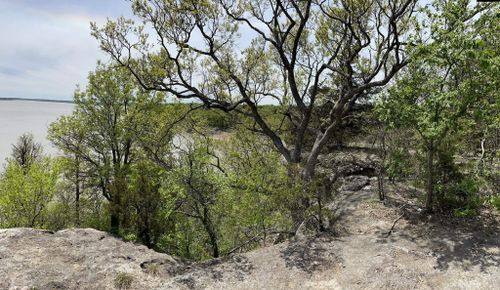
(495, 201)
(153, 269)
(26, 192)
(214, 118)
(398, 163)
(462, 198)
(130, 237)
(465, 212)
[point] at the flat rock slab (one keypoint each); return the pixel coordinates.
(75, 259)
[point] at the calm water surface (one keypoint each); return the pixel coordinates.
(18, 117)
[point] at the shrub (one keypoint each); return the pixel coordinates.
(25, 193)
(153, 269)
(130, 237)
(398, 163)
(462, 198)
(494, 200)
(214, 119)
(465, 212)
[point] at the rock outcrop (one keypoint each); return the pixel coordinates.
(77, 259)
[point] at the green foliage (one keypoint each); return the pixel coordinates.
(148, 170)
(59, 215)
(258, 191)
(26, 193)
(398, 163)
(130, 237)
(101, 138)
(198, 188)
(463, 198)
(215, 119)
(312, 64)
(185, 239)
(144, 205)
(225, 191)
(466, 212)
(494, 200)
(450, 75)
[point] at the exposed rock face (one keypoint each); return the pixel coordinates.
(347, 163)
(76, 259)
(354, 182)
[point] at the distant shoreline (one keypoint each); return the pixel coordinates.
(37, 100)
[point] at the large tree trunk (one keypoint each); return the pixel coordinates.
(115, 205)
(77, 204)
(320, 142)
(309, 170)
(307, 176)
(299, 205)
(430, 177)
(380, 183)
(212, 235)
(381, 169)
(115, 222)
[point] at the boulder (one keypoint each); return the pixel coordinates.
(354, 182)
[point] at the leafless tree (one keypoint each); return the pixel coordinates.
(26, 150)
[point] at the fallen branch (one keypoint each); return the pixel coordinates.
(395, 221)
(256, 238)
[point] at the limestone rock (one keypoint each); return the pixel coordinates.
(354, 182)
(76, 259)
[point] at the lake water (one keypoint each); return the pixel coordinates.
(18, 117)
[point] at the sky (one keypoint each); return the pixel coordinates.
(46, 48)
(45, 45)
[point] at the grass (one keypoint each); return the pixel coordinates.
(123, 280)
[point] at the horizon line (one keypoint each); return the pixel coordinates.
(36, 100)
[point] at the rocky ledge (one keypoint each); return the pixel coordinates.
(77, 259)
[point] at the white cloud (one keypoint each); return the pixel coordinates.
(46, 48)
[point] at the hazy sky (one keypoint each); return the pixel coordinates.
(46, 47)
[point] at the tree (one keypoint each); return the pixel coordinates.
(102, 134)
(199, 189)
(144, 203)
(26, 192)
(235, 55)
(227, 195)
(258, 197)
(449, 75)
(75, 174)
(26, 151)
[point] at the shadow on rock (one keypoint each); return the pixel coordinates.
(314, 254)
(466, 241)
